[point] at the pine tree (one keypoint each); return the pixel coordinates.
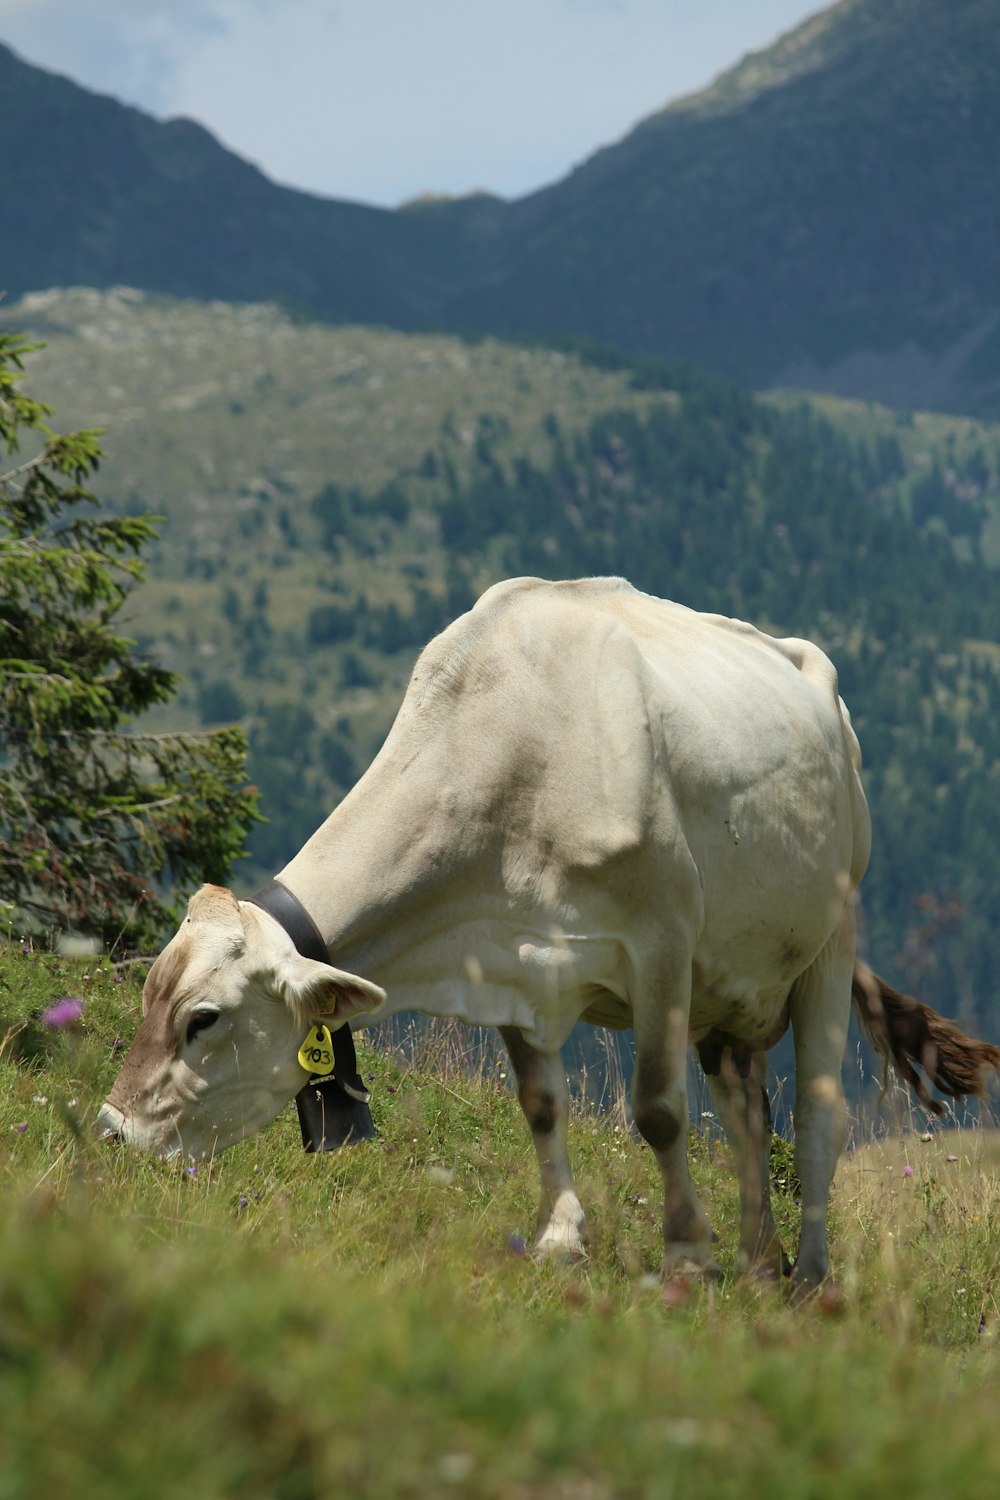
(102, 823)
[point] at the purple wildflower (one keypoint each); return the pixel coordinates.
(118, 1044)
(192, 1172)
(65, 1012)
(907, 1171)
(516, 1244)
(244, 1200)
(21, 1128)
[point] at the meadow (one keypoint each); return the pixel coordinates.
(369, 1322)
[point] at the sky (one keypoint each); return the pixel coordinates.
(382, 100)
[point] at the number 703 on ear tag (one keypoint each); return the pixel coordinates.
(316, 1052)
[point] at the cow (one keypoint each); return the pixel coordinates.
(592, 804)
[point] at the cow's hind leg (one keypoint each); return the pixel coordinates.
(660, 1108)
(820, 1010)
(744, 1109)
(544, 1097)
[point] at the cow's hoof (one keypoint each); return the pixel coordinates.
(691, 1263)
(765, 1270)
(827, 1299)
(562, 1246)
(561, 1232)
(824, 1295)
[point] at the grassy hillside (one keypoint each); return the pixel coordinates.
(281, 1325)
(334, 496)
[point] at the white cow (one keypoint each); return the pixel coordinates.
(594, 804)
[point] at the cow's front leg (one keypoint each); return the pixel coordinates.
(544, 1097)
(744, 1109)
(660, 1107)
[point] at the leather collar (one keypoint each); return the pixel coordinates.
(288, 911)
(332, 1110)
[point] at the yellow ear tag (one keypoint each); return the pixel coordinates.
(316, 1052)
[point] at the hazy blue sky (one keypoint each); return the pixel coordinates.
(379, 100)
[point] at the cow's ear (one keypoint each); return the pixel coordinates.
(214, 903)
(217, 908)
(311, 989)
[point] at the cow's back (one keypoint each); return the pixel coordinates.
(619, 725)
(620, 692)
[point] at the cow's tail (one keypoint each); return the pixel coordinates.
(905, 1032)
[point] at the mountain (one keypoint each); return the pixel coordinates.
(825, 215)
(100, 194)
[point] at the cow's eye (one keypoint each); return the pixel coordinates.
(201, 1020)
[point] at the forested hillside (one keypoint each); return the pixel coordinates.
(335, 496)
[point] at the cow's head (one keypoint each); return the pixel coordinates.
(226, 1007)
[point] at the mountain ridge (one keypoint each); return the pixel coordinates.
(756, 220)
(823, 215)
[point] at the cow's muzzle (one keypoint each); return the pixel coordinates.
(110, 1123)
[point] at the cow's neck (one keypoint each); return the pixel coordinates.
(366, 875)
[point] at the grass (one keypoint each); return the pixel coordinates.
(280, 1325)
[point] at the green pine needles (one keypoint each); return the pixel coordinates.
(99, 821)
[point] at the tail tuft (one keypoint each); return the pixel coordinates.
(904, 1032)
